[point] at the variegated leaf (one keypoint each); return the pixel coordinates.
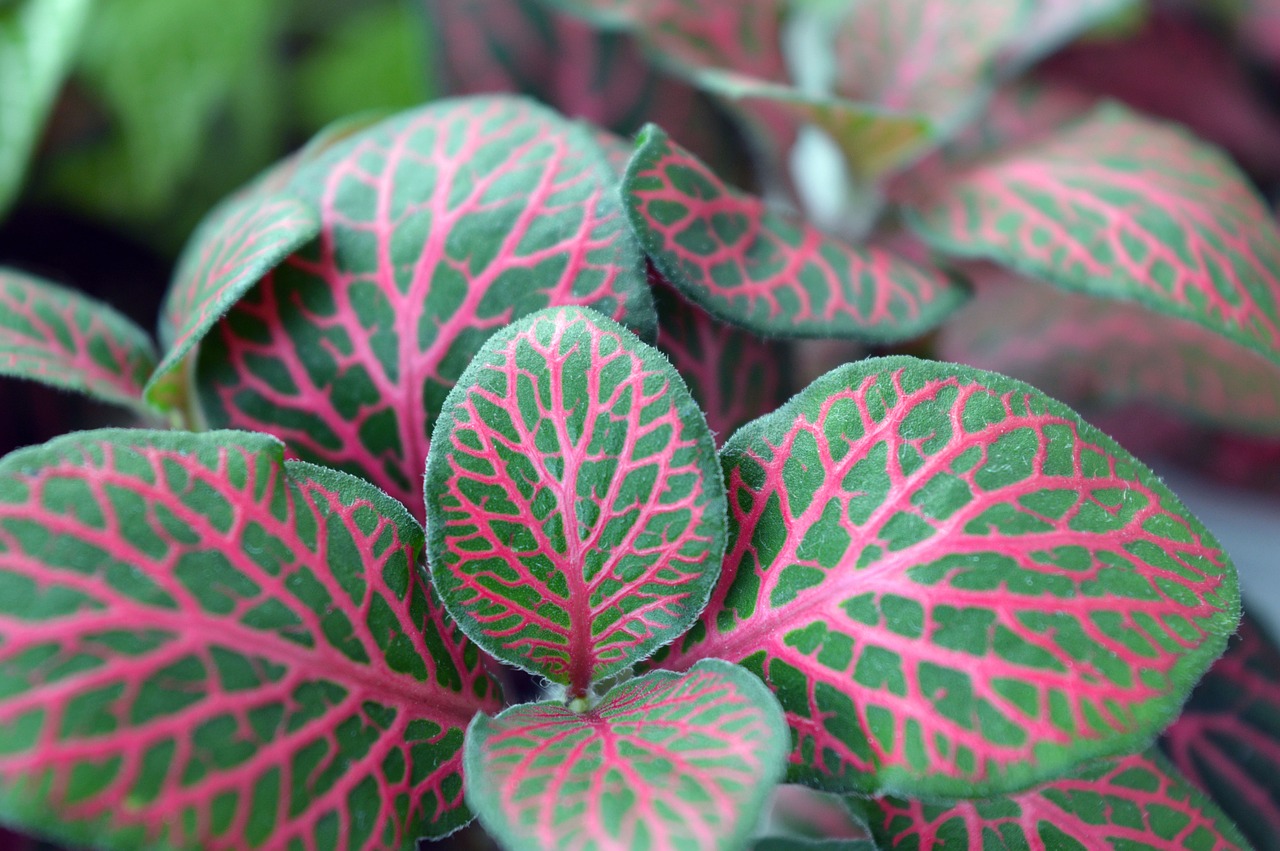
(439, 227)
(778, 275)
(202, 646)
(954, 585)
(574, 499)
(674, 762)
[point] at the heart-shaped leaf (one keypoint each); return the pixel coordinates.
(440, 226)
(574, 501)
(1138, 803)
(1227, 739)
(1122, 207)
(768, 271)
(202, 646)
(670, 761)
(954, 585)
(1087, 351)
(234, 247)
(61, 337)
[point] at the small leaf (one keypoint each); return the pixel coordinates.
(202, 646)
(1122, 207)
(1088, 351)
(439, 227)
(574, 499)
(954, 585)
(671, 761)
(770, 272)
(1227, 740)
(791, 843)
(61, 337)
(1052, 23)
(235, 246)
(1138, 803)
(38, 39)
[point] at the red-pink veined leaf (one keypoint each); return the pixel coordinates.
(768, 271)
(440, 226)
(666, 761)
(1122, 207)
(61, 337)
(1137, 803)
(1227, 740)
(1087, 351)
(955, 586)
(233, 248)
(204, 646)
(575, 506)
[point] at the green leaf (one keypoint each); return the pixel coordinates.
(675, 761)
(205, 646)
(954, 585)
(574, 501)
(37, 41)
(60, 337)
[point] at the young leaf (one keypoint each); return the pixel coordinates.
(954, 585)
(768, 271)
(575, 506)
(1087, 351)
(1138, 803)
(202, 646)
(1227, 740)
(38, 39)
(671, 761)
(440, 226)
(792, 843)
(1122, 207)
(61, 337)
(235, 246)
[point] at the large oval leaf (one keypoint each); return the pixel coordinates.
(1227, 739)
(681, 762)
(1123, 207)
(202, 646)
(64, 338)
(440, 226)
(574, 501)
(955, 586)
(1138, 803)
(768, 271)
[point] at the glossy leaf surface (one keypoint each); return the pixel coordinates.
(234, 247)
(1087, 351)
(574, 499)
(58, 336)
(1227, 740)
(1138, 803)
(1122, 207)
(440, 226)
(954, 585)
(768, 271)
(667, 761)
(206, 647)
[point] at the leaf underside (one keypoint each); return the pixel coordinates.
(203, 646)
(954, 585)
(667, 761)
(574, 499)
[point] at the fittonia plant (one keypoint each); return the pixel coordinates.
(447, 444)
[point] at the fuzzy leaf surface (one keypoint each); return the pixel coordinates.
(61, 337)
(1122, 207)
(1138, 803)
(671, 762)
(766, 270)
(574, 499)
(439, 227)
(1227, 739)
(203, 646)
(234, 247)
(954, 585)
